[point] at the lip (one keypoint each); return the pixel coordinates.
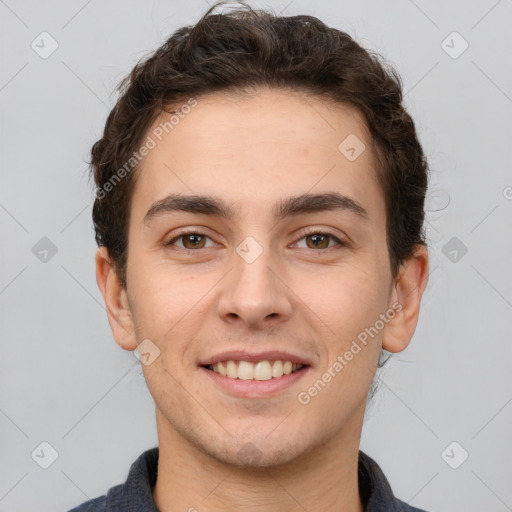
(242, 355)
(255, 388)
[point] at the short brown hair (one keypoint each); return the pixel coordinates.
(245, 48)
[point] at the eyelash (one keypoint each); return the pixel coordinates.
(303, 235)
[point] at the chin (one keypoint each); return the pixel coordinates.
(258, 452)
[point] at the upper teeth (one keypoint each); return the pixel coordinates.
(262, 370)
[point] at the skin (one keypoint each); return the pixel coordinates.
(252, 152)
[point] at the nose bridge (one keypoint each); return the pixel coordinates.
(253, 266)
(255, 292)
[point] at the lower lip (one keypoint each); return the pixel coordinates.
(255, 388)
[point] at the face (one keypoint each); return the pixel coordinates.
(269, 279)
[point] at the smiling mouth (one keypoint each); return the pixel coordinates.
(261, 370)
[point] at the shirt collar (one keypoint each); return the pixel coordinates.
(136, 494)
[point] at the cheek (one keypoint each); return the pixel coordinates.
(167, 305)
(156, 306)
(348, 298)
(159, 293)
(348, 303)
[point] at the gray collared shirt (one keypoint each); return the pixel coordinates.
(135, 495)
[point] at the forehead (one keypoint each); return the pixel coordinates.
(257, 148)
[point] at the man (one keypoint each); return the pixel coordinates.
(259, 212)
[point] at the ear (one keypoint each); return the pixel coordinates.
(406, 295)
(116, 301)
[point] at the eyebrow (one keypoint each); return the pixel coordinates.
(291, 206)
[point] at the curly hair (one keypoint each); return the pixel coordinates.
(246, 48)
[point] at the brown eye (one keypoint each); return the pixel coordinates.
(195, 241)
(319, 240)
(190, 241)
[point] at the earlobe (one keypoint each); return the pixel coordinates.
(116, 301)
(407, 292)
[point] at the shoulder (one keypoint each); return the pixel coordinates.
(95, 505)
(132, 495)
(375, 489)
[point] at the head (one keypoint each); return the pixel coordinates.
(305, 185)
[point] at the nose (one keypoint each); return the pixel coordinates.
(255, 292)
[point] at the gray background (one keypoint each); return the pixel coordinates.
(65, 381)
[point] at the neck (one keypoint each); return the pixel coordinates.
(325, 479)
